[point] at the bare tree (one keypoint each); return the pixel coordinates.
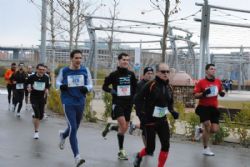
(113, 14)
(164, 7)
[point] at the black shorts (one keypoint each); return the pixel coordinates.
(208, 113)
(38, 108)
(121, 110)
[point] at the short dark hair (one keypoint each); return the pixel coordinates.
(121, 55)
(40, 65)
(209, 65)
(13, 64)
(74, 52)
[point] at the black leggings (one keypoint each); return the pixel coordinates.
(9, 89)
(18, 98)
(162, 129)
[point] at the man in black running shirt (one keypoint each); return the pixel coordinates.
(123, 89)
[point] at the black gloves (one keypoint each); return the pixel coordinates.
(206, 92)
(64, 87)
(222, 94)
(175, 114)
(113, 92)
(83, 89)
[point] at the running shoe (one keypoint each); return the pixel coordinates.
(122, 155)
(79, 161)
(137, 160)
(106, 130)
(207, 152)
(36, 135)
(62, 140)
(18, 114)
(197, 133)
(131, 127)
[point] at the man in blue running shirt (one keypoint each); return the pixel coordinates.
(74, 82)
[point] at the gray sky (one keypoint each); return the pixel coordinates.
(20, 21)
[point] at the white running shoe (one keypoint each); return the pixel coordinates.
(207, 152)
(36, 135)
(18, 114)
(62, 140)
(79, 161)
(197, 133)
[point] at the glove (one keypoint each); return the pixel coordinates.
(113, 92)
(84, 89)
(206, 92)
(64, 87)
(175, 114)
(222, 94)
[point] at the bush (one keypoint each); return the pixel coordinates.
(54, 101)
(219, 136)
(90, 115)
(242, 123)
(180, 107)
(2, 71)
(107, 98)
(192, 121)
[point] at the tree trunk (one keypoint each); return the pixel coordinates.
(165, 32)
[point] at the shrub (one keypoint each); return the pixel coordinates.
(192, 121)
(219, 136)
(107, 98)
(54, 101)
(242, 123)
(89, 114)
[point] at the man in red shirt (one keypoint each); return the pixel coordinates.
(207, 91)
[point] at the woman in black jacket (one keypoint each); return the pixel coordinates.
(157, 99)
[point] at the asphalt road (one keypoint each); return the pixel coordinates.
(19, 149)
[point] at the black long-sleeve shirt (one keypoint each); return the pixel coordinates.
(123, 83)
(155, 93)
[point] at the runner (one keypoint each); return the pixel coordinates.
(38, 85)
(148, 74)
(9, 85)
(123, 89)
(154, 102)
(74, 82)
(207, 90)
(19, 79)
(47, 72)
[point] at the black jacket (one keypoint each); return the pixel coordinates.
(20, 78)
(120, 77)
(154, 93)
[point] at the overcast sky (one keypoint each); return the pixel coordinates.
(20, 21)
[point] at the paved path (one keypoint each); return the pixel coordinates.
(19, 149)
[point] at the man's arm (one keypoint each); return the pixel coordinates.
(107, 82)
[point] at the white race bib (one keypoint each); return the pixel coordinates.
(160, 112)
(75, 80)
(123, 90)
(19, 86)
(39, 86)
(214, 91)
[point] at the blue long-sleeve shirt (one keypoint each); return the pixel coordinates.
(75, 79)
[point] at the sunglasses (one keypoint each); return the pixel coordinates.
(164, 71)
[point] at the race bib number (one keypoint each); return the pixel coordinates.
(75, 80)
(39, 86)
(19, 86)
(214, 91)
(160, 112)
(123, 90)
